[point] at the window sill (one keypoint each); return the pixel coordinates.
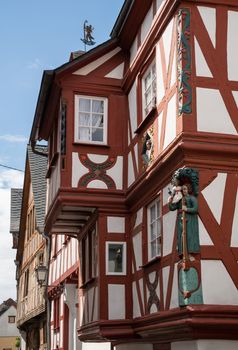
(151, 262)
(76, 143)
(88, 283)
(147, 120)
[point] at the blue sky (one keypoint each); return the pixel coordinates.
(34, 36)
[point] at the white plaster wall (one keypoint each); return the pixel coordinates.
(134, 346)
(133, 50)
(174, 70)
(8, 329)
(159, 4)
(204, 237)
(137, 245)
(169, 221)
(232, 45)
(97, 184)
(136, 306)
(116, 172)
(116, 301)
(146, 24)
(133, 107)
(234, 236)
(214, 194)
(78, 169)
(170, 132)
(159, 76)
(217, 285)
(167, 38)
(116, 224)
(208, 15)
(212, 115)
(131, 175)
(202, 68)
(95, 64)
(205, 344)
(174, 296)
(116, 73)
(96, 346)
(136, 154)
(139, 217)
(165, 274)
(166, 194)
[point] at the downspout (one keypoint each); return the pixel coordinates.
(48, 304)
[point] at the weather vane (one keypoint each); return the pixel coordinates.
(88, 38)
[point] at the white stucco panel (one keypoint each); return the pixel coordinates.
(234, 236)
(116, 73)
(202, 68)
(136, 154)
(174, 70)
(133, 50)
(208, 15)
(139, 217)
(216, 290)
(212, 115)
(95, 64)
(167, 38)
(116, 172)
(170, 131)
(97, 184)
(174, 295)
(115, 224)
(166, 194)
(165, 273)
(136, 306)
(160, 90)
(232, 45)
(235, 95)
(214, 194)
(97, 346)
(78, 169)
(204, 237)
(169, 221)
(137, 245)
(131, 175)
(116, 301)
(146, 24)
(134, 346)
(159, 4)
(97, 158)
(133, 107)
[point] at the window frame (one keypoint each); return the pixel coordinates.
(152, 103)
(124, 253)
(10, 318)
(156, 201)
(76, 119)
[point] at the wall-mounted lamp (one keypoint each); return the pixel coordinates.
(41, 274)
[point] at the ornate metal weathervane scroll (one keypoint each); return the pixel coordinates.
(88, 38)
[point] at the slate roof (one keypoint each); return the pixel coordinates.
(38, 168)
(6, 304)
(16, 202)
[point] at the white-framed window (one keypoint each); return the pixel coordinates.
(116, 258)
(154, 228)
(149, 89)
(90, 119)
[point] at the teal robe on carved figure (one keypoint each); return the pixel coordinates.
(191, 224)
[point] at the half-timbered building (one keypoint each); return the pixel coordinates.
(31, 251)
(156, 102)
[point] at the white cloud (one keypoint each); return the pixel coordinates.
(8, 179)
(13, 138)
(34, 64)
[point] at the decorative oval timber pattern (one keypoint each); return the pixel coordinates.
(97, 172)
(184, 62)
(153, 297)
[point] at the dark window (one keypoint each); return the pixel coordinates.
(11, 319)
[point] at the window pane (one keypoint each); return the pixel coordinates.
(147, 97)
(84, 134)
(97, 106)
(84, 105)
(147, 80)
(158, 209)
(97, 120)
(97, 134)
(84, 119)
(152, 213)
